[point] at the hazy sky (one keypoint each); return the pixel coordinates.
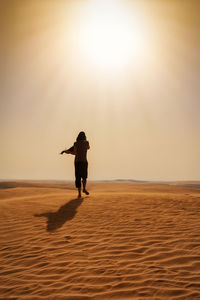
(125, 72)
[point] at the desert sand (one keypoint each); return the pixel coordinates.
(123, 241)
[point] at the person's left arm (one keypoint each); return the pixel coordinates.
(64, 151)
(68, 151)
(75, 149)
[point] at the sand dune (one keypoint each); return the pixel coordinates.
(124, 241)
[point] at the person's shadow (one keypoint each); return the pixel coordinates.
(65, 213)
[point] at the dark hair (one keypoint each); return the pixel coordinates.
(81, 136)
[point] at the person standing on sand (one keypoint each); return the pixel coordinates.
(80, 163)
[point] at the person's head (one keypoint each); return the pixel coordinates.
(81, 136)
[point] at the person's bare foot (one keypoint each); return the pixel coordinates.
(86, 192)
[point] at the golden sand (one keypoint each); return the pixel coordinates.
(123, 241)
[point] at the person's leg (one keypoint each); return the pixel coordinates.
(84, 187)
(78, 186)
(79, 192)
(85, 172)
(78, 179)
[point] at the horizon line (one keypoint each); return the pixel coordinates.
(106, 180)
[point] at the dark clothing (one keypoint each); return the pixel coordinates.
(71, 149)
(81, 150)
(81, 171)
(81, 164)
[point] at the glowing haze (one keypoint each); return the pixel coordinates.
(110, 35)
(125, 72)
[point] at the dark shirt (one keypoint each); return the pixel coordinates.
(81, 148)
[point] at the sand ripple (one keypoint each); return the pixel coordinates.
(130, 243)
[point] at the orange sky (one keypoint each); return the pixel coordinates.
(140, 110)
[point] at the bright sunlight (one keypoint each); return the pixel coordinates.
(111, 37)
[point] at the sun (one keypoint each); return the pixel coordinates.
(110, 35)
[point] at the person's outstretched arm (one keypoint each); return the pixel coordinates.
(68, 151)
(64, 151)
(75, 150)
